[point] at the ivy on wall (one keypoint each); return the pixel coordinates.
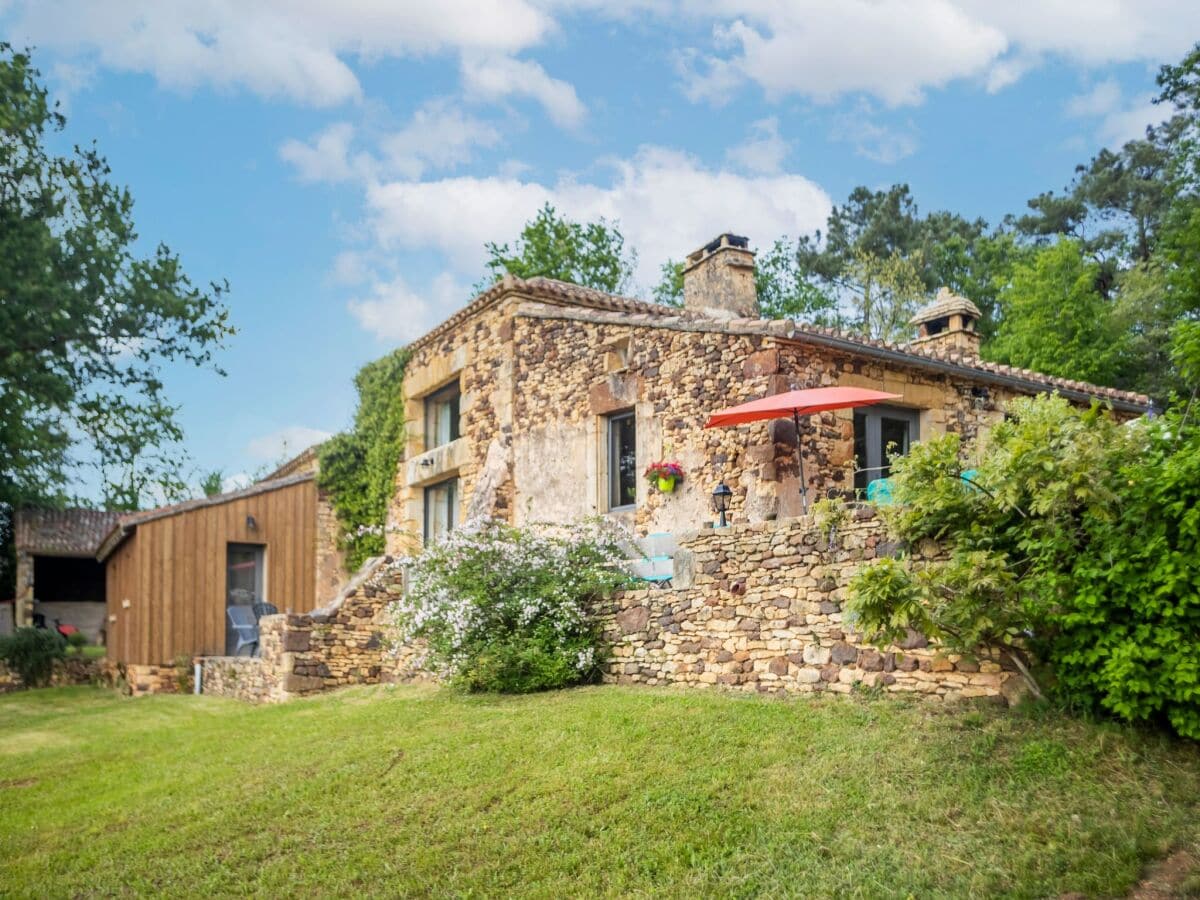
(358, 466)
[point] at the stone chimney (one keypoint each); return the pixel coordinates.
(718, 279)
(948, 323)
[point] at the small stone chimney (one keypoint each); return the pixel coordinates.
(948, 323)
(718, 279)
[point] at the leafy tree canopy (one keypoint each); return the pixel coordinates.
(552, 246)
(1056, 321)
(86, 323)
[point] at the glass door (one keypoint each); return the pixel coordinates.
(243, 584)
(881, 433)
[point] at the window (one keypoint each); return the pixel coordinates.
(441, 509)
(881, 433)
(622, 460)
(441, 416)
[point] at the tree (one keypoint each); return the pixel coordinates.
(785, 291)
(669, 290)
(882, 224)
(212, 482)
(1116, 206)
(1057, 322)
(86, 323)
(552, 246)
(885, 294)
(1068, 537)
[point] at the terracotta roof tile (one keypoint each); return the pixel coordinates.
(562, 293)
(61, 532)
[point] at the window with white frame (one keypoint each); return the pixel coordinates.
(441, 416)
(441, 509)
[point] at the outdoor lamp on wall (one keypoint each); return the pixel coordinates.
(721, 497)
(251, 524)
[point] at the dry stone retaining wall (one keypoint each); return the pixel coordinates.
(759, 608)
(754, 608)
(69, 671)
(338, 645)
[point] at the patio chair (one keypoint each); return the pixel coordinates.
(264, 609)
(657, 565)
(245, 628)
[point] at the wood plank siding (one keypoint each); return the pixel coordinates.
(166, 579)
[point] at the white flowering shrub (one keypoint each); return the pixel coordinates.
(507, 609)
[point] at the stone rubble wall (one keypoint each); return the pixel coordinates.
(339, 645)
(759, 608)
(240, 677)
(73, 670)
(753, 608)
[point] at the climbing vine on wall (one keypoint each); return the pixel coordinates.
(358, 466)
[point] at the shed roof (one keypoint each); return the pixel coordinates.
(61, 532)
(128, 523)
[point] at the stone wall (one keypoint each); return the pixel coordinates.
(753, 608)
(70, 671)
(759, 608)
(331, 559)
(335, 646)
(139, 680)
(240, 677)
(538, 381)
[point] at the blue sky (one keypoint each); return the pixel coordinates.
(342, 164)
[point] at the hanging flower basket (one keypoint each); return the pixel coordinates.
(664, 475)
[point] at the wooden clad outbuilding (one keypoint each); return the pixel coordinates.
(172, 572)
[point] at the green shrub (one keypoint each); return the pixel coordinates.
(31, 653)
(77, 640)
(507, 609)
(1078, 544)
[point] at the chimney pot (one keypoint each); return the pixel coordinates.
(948, 323)
(718, 279)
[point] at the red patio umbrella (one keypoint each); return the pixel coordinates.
(794, 404)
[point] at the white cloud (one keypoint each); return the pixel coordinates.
(276, 48)
(1121, 119)
(1101, 100)
(439, 136)
(764, 151)
(327, 157)
(896, 50)
(667, 204)
(498, 77)
(822, 49)
(285, 442)
(871, 140)
(394, 311)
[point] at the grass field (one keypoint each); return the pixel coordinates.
(598, 791)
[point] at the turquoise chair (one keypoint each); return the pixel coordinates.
(879, 492)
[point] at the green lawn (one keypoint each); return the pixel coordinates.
(606, 791)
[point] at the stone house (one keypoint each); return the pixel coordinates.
(545, 401)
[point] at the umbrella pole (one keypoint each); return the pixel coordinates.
(800, 459)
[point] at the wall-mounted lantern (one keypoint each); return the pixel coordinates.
(251, 523)
(721, 497)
